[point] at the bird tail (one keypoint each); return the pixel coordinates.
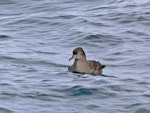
(103, 66)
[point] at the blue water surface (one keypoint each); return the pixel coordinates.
(37, 38)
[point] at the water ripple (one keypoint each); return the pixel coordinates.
(5, 110)
(37, 39)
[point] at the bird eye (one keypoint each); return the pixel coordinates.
(74, 52)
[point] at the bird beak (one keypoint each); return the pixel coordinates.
(71, 57)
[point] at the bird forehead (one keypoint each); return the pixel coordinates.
(77, 51)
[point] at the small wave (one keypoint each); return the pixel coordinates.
(66, 16)
(6, 2)
(137, 33)
(44, 52)
(142, 110)
(3, 36)
(131, 2)
(140, 2)
(108, 76)
(133, 105)
(102, 38)
(7, 58)
(80, 91)
(89, 91)
(30, 61)
(146, 95)
(5, 84)
(139, 107)
(5, 110)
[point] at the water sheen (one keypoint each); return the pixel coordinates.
(37, 38)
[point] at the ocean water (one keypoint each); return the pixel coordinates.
(37, 38)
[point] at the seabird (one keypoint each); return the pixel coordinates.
(82, 65)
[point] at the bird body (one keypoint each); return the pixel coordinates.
(82, 65)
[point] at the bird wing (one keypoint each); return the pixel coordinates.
(95, 65)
